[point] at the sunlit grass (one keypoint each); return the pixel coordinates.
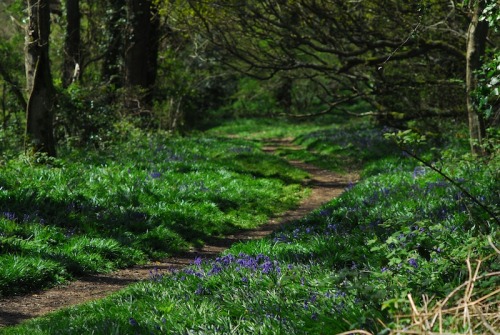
(402, 229)
(151, 196)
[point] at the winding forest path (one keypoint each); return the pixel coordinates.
(324, 186)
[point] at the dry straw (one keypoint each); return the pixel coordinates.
(467, 310)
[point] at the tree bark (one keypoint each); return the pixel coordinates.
(111, 70)
(39, 127)
(476, 44)
(142, 50)
(14, 86)
(72, 53)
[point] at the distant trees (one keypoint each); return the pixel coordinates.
(176, 63)
(407, 59)
(359, 47)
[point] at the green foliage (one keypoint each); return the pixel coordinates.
(143, 198)
(85, 115)
(487, 94)
(402, 229)
(491, 14)
(253, 98)
(346, 265)
(345, 147)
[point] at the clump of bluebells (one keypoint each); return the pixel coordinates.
(259, 263)
(135, 201)
(410, 228)
(256, 290)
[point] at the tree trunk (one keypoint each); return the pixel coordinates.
(476, 43)
(39, 127)
(72, 54)
(142, 50)
(111, 70)
(14, 86)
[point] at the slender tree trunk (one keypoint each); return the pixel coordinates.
(39, 127)
(14, 86)
(284, 94)
(72, 54)
(476, 43)
(142, 50)
(111, 70)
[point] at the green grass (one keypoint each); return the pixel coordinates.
(265, 128)
(151, 196)
(402, 229)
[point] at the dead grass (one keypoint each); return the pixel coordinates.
(467, 310)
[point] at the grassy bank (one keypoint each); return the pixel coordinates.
(350, 264)
(92, 211)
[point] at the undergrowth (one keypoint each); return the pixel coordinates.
(351, 264)
(150, 196)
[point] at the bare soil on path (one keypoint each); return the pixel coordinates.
(324, 186)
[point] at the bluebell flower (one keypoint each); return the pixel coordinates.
(413, 262)
(324, 212)
(267, 267)
(155, 175)
(200, 290)
(215, 269)
(418, 171)
(9, 216)
(133, 322)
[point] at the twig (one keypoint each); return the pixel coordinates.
(454, 183)
(357, 331)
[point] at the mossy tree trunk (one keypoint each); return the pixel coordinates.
(113, 56)
(142, 50)
(476, 43)
(39, 126)
(72, 52)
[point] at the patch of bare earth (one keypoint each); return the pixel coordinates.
(324, 186)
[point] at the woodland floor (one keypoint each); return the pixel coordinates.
(324, 186)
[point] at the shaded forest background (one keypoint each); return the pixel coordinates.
(73, 72)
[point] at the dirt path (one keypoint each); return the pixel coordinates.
(324, 185)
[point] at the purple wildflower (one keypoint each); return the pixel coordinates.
(215, 269)
(9, 216)
(267, 267)
(413, 262)
(418, 171)
(324, 212)
(155, 175)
